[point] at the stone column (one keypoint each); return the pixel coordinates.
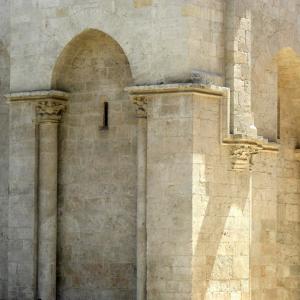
(48, 115)
(141, 103)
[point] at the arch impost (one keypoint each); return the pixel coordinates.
(37, 96)
(49, 104)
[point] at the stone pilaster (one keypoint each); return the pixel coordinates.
(141, 112)
(49, 113)
(24, 176)
(238, 66)
(182, 127)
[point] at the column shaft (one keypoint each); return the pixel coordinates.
(141, 209)
(47, 209)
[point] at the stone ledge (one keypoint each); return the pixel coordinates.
(178, 88)
(37, 95)
(262, 143)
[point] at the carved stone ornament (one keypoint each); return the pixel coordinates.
(50, 111)
(141, 106)
(242, 156)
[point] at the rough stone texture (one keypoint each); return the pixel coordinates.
(4, 88)
(212, 232)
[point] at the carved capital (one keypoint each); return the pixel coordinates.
(242, 156)
(141, 106)
(50, 111)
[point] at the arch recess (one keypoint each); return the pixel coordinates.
(69, 56)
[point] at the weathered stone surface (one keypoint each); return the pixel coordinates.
(152, 203)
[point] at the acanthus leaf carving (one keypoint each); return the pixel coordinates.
(242, 155)
(50, 111)
(141, 106)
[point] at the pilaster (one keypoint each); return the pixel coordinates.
(238, 23)
(141, 113)
(178, 137)
(24, 177)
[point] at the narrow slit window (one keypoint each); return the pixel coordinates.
(105, 116)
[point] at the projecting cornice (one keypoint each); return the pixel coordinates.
(38, 95)
(178, 88)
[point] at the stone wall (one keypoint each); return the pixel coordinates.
(97, 172)
(169, 197)
(221, 211)
(4, 88)
(146, 30)
(213, 233)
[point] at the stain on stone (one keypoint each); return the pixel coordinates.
(191, 10)
(61, 12)
(142, 3)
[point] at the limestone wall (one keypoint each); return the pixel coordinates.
(275, 234)
(213, 233)
(169, 197)
(163, 40)
(221, 211)
(4, 88)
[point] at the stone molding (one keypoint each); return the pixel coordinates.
(50, 104)
(199, 88)
(50, 111)
(143, 93)
(243, 148)
(37, 96)
(140, 106)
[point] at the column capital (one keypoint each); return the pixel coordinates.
(141, 106)
(50, 111)
(242, 156)
(243, 148)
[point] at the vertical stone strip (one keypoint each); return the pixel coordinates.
(49, 113)
(238, 66)
(22, 202)
(141, 109)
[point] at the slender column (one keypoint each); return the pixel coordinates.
(49, 114)
(141, 103)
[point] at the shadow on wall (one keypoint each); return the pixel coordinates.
(288, 68)
(267, 76)
(288, 182)
(221, 212)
